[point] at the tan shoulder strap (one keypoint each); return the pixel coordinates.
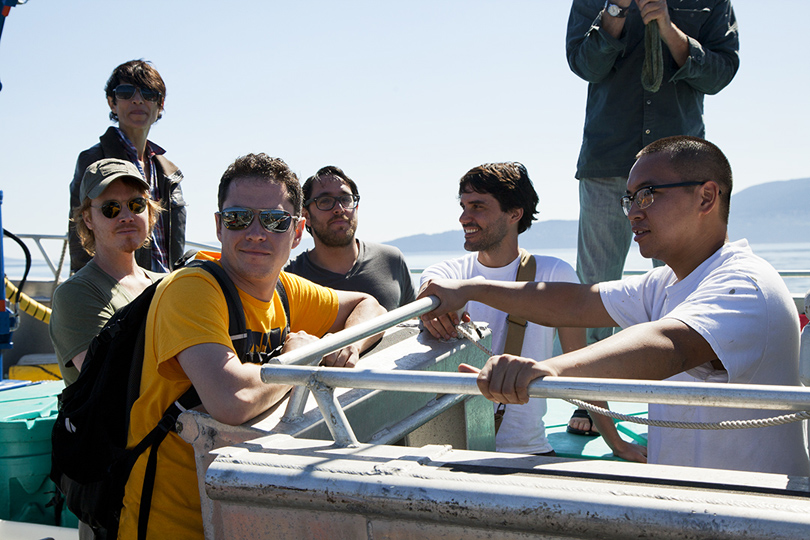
(515, 326)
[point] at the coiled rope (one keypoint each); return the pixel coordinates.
(652, 72)
(468, 330)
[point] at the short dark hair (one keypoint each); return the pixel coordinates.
(266, 169)
(694, 160)
(139, 73)
(509, 183)
(324, 172)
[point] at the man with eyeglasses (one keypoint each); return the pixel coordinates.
(715, 313)
(498, 203)
(136, 95)
(339, 260)
(187, 340)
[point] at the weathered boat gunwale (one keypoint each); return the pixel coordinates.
(408, 490)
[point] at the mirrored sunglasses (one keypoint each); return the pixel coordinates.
(126, 91)
(237, 219)
(111, 209)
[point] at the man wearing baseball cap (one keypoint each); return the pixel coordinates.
(115, 217)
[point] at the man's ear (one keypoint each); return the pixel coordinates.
(305, 215)
(515, 215)
(218, 226)
(299, 231)
(88, 219)
(709, 196)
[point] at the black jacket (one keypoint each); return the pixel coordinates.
(169, 177)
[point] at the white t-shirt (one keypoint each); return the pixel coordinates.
(739, 304)
(522, 430)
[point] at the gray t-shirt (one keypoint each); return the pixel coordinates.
(379, 270)
(81, 306)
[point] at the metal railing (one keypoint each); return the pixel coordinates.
(56, 268)
(322, 381)
(313, 352)
(38, 238)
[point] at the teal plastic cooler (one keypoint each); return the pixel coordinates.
(27, 415)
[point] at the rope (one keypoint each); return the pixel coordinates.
(465, 330)
(61, 264)
(726, 424)
(652, 72)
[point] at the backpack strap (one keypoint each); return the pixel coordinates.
(237, 328)
(285, 302)
(182, 261)
(188, 400)
(516, 326)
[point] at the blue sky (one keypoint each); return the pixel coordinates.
(404, 96)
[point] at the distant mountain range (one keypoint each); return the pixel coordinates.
(773, 213)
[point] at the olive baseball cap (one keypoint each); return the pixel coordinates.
(103, 172)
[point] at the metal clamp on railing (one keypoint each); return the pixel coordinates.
(312, 353)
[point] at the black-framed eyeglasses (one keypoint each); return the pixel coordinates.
(111, 209)
(644, 197)
(126, 91)
(238, 218)
(325, 203)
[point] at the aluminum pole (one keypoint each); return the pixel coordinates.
(338, 340)
(670, 393)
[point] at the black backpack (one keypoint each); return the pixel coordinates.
(90, 462)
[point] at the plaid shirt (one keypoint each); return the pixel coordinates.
(160, 259)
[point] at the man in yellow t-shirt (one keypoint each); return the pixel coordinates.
(187, 339)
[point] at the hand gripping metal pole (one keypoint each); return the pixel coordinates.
(331, 343)
(313, 353)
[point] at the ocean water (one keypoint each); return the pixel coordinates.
(784, 257)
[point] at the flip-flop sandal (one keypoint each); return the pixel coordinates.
(582, 413)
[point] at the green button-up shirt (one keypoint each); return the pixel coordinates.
(621, 117)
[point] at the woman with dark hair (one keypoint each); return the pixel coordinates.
(136, 95)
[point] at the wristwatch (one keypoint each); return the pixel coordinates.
(616, 11)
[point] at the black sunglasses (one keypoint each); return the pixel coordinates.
(111, 209)
(126, 91)
(238, 218)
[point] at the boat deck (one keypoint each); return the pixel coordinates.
(579, 446)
